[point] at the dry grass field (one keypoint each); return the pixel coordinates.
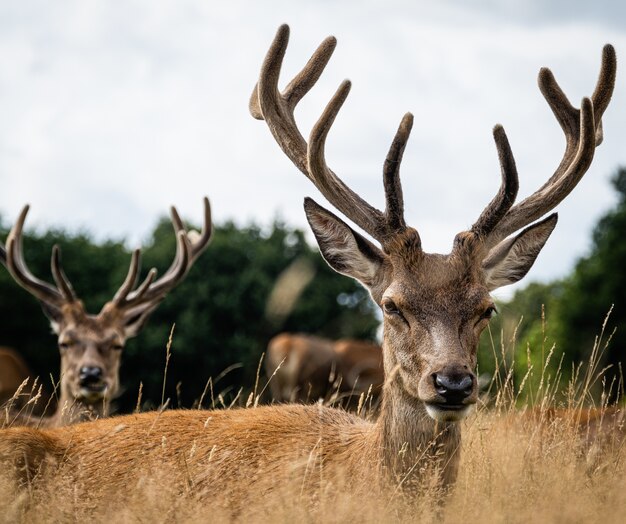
(520, 463)
(512, 470)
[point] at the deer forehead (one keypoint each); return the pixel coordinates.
(437, 280)
(91, 332)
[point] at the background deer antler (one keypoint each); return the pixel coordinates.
(148, 295)
(14, 260)
(131, 302)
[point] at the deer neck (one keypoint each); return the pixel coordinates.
(412, 442)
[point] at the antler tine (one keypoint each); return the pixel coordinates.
(61, 280)
(301, 83)
(131, 278)
(331, 186)
(198, 242)
(267, 103)
(394, 201)
(189, 245)
(176, 220)
(19, 270)
(156, 291)
(310, 73)
(583, 131)
(505, 197)
(201, 242)
(604, 88)
(145, 285)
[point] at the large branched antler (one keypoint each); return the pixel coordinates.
(277, 109)
(500, 218)
(583, 133)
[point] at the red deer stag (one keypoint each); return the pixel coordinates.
(305, 368)
(91, 345)
(434, 306)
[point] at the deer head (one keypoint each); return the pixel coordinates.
(434, 306)
(91, 345)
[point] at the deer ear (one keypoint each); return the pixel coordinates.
(344, 249)
(54, 316)
(134, 321)
(511, 259)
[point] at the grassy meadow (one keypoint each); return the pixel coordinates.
(531, 452)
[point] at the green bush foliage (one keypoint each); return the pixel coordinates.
(219, 309)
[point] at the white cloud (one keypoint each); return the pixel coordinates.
(111, 112)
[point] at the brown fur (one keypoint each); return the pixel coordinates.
(91, 345)
(305, 368)
(598, 429)
(13, 371)
(247, 450)
(435, 307)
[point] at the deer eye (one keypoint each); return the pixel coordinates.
(489, 313)
(64, 346)
(390, 308)
(117, 347)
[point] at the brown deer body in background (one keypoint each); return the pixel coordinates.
(306, 368)
(594, 432)
(13, 372)
(434, 310)
(91, 345)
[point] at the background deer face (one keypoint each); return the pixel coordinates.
(91, 350)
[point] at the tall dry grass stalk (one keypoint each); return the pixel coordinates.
(535, 455)
(512, 470)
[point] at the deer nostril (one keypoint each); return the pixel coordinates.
(454, 389)
(440, 385)
(466, 383)
(90, 374)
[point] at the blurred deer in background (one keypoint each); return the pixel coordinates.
(434, 310)
(305, 368)
(596, 431)
(91, 345)
(13, 371)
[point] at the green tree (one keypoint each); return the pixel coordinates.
(219, 309)
(597, 284)
(517, 326)
(575, 308)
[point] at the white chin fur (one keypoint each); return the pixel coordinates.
(444, 415)
(90, 396)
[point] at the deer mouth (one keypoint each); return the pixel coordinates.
(92, 391)
(448, 412)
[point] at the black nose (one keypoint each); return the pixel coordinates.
(90, 375)
(455, 388)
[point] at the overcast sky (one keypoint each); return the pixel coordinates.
(111, 111)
